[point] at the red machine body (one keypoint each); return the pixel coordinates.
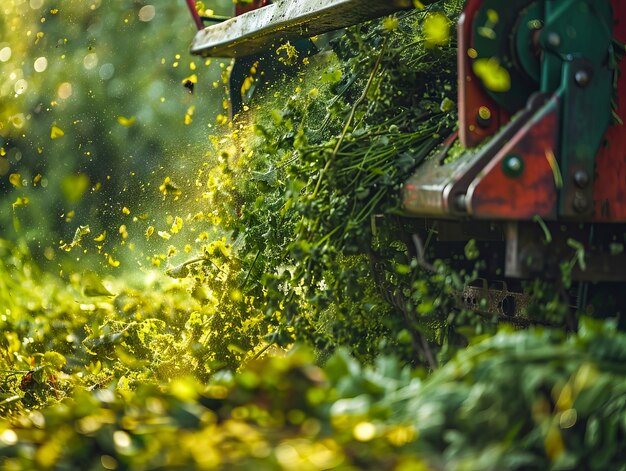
(242, 8)
(495, 195)
(610, 184)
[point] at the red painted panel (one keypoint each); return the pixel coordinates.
(494, 194)
(191, 4)
(240, 9)
(610, 181)
(471, 93)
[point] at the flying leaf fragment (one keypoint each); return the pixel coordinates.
(56, 132)
(125, 210)
(16, 180)
(178, 272)
(101, 237)
(124, 121)
(74, 187)
(189, 115)
(177, 225)
(221, 119)
(92, 286)
(168, 187)
(494, 77)
(20, 201)
(436, 29)
(81, 232)
(189, 85)
(114, 263)
(164, 235)
(190, 82)
(149, 231)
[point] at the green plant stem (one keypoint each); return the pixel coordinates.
(348, 123)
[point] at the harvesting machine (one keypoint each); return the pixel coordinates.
(543, 173)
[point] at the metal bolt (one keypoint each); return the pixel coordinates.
(580, 203)
(513, 166)
(554, 40)
(483, 117)
(582, 78)
(581, 178)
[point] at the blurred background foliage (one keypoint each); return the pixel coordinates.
(94, 115)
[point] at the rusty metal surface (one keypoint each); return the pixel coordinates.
(258, 30)
(609, 192)
(507, 305)
(471, 95)
(497, 193)
(435, 187)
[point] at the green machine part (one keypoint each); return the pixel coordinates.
(557, 47)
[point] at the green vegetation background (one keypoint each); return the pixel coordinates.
(110, 80)
(151, 254)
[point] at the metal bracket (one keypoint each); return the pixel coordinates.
(585, 118)
(529, 255)
(260, 29)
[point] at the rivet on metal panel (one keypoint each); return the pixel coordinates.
(582, 77)
(483, 117)
(554, 40)
(581, 178)
(513, 166)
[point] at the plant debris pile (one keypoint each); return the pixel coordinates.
(306, 187)
(524, 400)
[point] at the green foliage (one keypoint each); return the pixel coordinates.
(72, 335)
(92, 108)
(525, 400)
(313, 173)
